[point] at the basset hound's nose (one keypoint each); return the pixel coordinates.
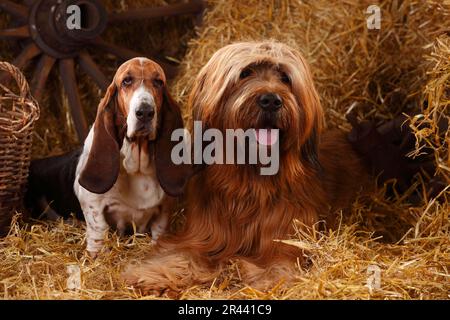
(270, 102)
(145, 112)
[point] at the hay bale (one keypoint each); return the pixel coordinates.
(377, 71)
(430, 125)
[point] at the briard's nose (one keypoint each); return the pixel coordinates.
(145, 112)
(270, 102)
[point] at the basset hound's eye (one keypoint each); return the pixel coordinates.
(127, 81)
(158, 83)
(285, 78)
(247, 72)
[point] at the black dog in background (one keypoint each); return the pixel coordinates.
(385, 148)
(50, 190)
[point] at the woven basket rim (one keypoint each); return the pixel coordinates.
(29, 108)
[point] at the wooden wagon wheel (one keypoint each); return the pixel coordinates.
(42, 28)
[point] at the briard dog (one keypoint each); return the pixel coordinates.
(232, 211)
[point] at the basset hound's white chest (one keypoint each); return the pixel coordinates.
(135, 198)
(139, 191)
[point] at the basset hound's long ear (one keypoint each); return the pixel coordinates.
(102, 167)
(172, 177)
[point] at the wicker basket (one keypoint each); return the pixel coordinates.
(18, 113)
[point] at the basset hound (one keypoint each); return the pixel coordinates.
(124, 174)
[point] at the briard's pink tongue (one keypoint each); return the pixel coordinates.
(266, 137)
